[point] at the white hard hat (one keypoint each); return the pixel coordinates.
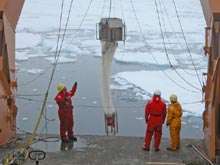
(157, 92)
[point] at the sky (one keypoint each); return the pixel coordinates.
(174, 60)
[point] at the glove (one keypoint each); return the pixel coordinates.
(146, 120)
(75, 84)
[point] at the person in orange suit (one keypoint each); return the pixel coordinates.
(65, 112)
(174, 122)
(155, 114)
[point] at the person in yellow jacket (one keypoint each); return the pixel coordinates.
(174, 122)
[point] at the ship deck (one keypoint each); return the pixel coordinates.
(106, 150)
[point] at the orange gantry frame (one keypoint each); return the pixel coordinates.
(9, 14)
(211, 114)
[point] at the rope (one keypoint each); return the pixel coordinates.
(57, 52)
(59, 32)
(184, 37)
(67, 21)
(158, 17)
(35, 78)
(110, 8)
(166, 52)
(173, 32)
(18, 95)
(23, 131)
(81, 23)
(145, 41)
(51, 78)
(95, 106)
(122, 10)
(103, 8)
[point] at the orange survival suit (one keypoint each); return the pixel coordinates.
(65, 112)
(174, 121)
(155, 114)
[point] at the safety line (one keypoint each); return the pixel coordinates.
(34, 100)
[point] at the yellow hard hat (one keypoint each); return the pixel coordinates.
(60, 87)
(173, 97)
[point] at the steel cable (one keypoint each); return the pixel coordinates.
(166, 52)
(145, 41)
(184, 37)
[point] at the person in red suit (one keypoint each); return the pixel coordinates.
(155, 114)
(65, 112)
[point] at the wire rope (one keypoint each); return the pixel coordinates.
(122, 10)
(35, 78)
(114, 8)
(50, 81)
(58, 49)
(166, 52)
(95, 106)
(110, 8)
(122, 51)
(64, 33)
(145, 41)
(59, 31)
(162, 34)
(81, 23)
(187, 46)
(17, 95)
(173, 32)
(103, 8)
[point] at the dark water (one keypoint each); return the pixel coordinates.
(88, 109)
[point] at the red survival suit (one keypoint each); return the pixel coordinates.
(155, 114)
(65, 112)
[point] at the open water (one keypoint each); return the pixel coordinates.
(88, 108)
